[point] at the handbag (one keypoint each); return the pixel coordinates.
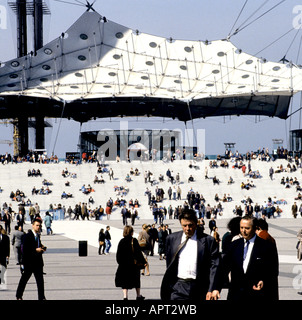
(142, 242)
(139, 264)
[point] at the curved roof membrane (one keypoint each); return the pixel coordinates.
(97, 61)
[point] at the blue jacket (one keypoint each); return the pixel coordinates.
(48, 221)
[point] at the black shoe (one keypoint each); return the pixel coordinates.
(140, 298)
(125, 298)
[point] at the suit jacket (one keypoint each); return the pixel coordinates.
(207, 264)
(4, 249)
(17, 238)
(263, 265)
(30, 257)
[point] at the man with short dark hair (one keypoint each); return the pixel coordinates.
(253, 263)
(107, 240)
(20, 218)
(124, 213)
(262, 231)
(192, 259)
(32, 250)
(153, 237)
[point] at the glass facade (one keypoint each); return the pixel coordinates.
(296, 141)
(156, 144)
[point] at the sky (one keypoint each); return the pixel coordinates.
(272, 36)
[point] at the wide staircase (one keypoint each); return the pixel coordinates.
(15, 177)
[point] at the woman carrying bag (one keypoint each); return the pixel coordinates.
(130, 261)
(101, 242)
(145, 245)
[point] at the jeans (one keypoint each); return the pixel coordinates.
(107, 245)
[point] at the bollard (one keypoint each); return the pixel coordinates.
(82, 248)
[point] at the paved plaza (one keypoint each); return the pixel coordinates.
(72, 277)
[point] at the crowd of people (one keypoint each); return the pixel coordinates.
(203, 273)
(161, 200)
(253, 215)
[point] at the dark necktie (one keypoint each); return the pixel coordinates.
(246, 247)
(37, 241)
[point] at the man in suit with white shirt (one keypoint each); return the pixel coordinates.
(253, 263)
(192, 259)
(32, 250)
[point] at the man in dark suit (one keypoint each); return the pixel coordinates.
(253, 263)
(192, 259)
(4, 255)
(153, 237)
(32, 250)
(4, 248)
(20, 218)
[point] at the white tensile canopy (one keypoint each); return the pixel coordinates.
(137, 146)
(97, 58)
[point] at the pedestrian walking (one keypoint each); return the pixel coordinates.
(32, 213)
(130, 261)
(111, 174)
(48, 222)
(162, 236)
(32, 251)
(294, 210)
(20, 218)
(192, 259)
(153, 233)
(271, 173)
(253, 266)
(124, 214)
(102, 245)
(7, 218)
(107, 240)
(4, 256)
(134, 215)
(145, 245)
(108, 211)
(16, 242)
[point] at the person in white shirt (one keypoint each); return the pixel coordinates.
(253, 266)
(192, 259)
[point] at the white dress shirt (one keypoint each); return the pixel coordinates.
(187, 263)
(249, 251)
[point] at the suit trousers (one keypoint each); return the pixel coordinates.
(125, 223)
(184, 290)
(38, 273)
